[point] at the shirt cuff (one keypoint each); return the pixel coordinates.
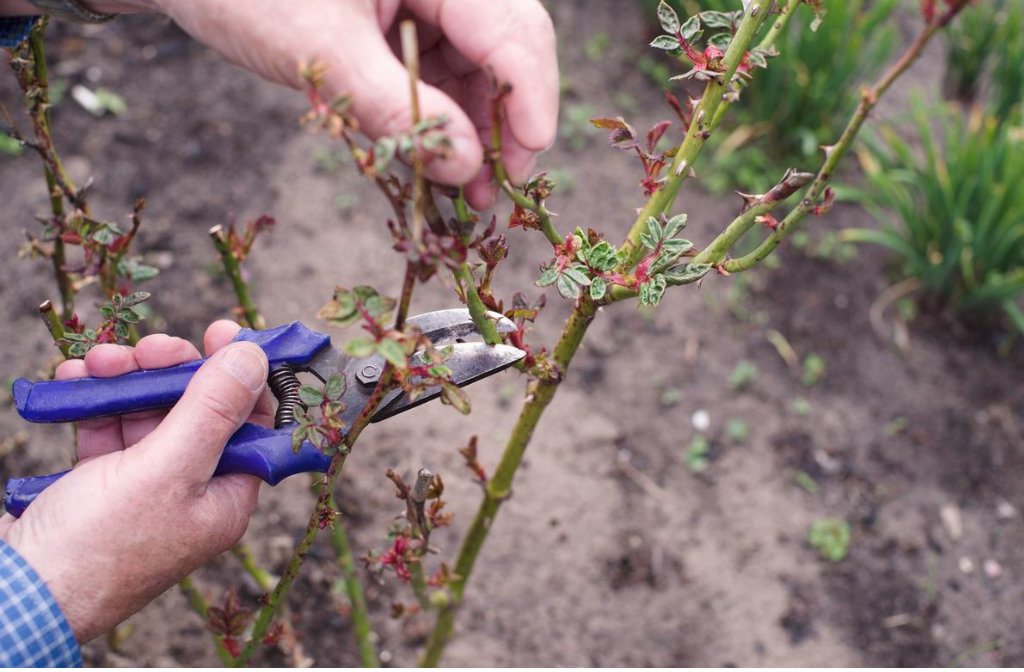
(33, 631)
(14, 29)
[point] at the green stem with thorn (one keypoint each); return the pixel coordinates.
(354, 589)
(699, 131)
(499, 486)
(835, 154)
(233, 270)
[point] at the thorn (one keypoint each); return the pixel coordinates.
(768, 221)
(681, 167)
(749, 200)
(828, 149)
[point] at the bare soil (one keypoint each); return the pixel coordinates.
(611, 552)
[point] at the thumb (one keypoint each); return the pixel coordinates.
(221, 395)
(382, 103)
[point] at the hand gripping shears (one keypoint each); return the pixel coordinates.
(291, 349)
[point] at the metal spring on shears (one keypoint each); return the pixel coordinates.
(285, 385)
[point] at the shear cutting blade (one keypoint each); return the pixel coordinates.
(469, 363)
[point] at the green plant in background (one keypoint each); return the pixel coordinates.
(988, 42)
(1007, 95)
(968, 48)
(801, 101)
(954, 212)
(830, 537)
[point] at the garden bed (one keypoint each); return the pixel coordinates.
(612, 551)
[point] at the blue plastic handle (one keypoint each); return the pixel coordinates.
(258, 451)
(85, 398)
(254, 450)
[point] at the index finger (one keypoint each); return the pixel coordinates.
(516, 39)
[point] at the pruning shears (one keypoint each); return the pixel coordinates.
(291, 349)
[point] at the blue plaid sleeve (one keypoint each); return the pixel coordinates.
(33, 631)
(14, 29)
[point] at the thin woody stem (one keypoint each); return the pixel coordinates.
(778, 27)
(54, 326)
(354, 589)
(754, 207)
(499, 486)
(323, 511)
(497, 162)
(233, 269)
(699, 131)
(262, 577)
(198, 604)
(52, 166)
(411, 57)
(464, 278)
(869, 98)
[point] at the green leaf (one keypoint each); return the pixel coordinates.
(742, 376)
(383, 154)
(360, 347)
(453, 395)
(107, 312)
(567, 287)
(90, 334)
(686, 273)
(666, 42)
(137, 272)
(657, 289)
(311, 396)
(602, 257)
(393, 352)
(335, 387)
(128, 315)
(578, 275)
(721, 41)
(814, 369)
(647, 241)
(78, 349)
(71, 336)
(717, 19)
(136, 298)
(548, 277)
(298, 438)
(690, 30)
(598, 287)
(121, 330)
(757, 59)
(668, 18)
(655, 230)
(674, 226)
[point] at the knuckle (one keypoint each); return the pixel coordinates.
(219, 411)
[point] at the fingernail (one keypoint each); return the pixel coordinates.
(247, 365)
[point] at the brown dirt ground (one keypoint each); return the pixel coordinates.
(592, 562)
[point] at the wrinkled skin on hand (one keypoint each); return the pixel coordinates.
(461, 43)
(142, 510)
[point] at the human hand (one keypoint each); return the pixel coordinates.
(460, 40)
(142, 510)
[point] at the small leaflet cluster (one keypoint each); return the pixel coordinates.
(417, 366)
(681, 39)
(240, 242)
(118, 315)
(409, 537)
(229, 621)
(624, 137)
(587, 260)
